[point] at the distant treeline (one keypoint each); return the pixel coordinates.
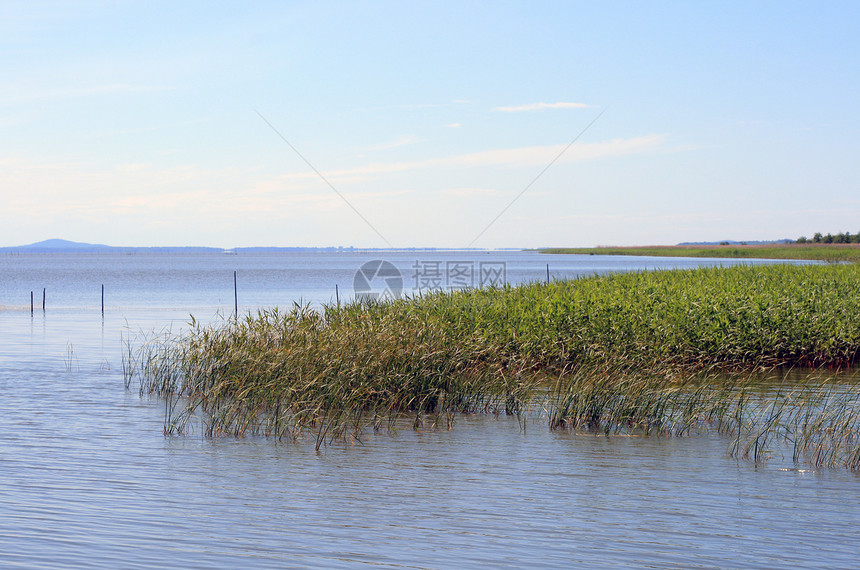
(841, 237)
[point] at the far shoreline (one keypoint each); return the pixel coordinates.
(805, 251)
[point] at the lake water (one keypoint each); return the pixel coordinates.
(88, 480)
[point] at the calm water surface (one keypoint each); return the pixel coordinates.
(88, 480)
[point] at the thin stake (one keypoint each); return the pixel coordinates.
(103, 299)
(31, 303)
(43, 299)
(235, 297)
(547, 272)
(337, 295)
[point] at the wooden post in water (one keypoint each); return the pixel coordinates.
(43, 299)
(103, 299)
(547, 272)
(31, 303)
(337, 295)
(235, 298)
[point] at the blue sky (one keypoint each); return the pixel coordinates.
(136, 123)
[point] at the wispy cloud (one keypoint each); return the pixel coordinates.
(90, 191)
(106, 89)
(541, 106)
(511, 157)
(464, 192)
(27, 91)
(92, 187)
(419, 105)
(146, 129)
(400, 141)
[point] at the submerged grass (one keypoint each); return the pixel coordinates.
(814, 421)
(626, 352)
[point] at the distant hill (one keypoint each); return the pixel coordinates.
(60, 245)
(63, 245)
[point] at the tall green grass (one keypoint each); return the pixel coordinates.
(634, 351)
(737, 317)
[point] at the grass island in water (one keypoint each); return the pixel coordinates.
(800, 251)
(660, 352)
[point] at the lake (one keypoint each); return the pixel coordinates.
(88, 480)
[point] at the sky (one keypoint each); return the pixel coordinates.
(427, 124)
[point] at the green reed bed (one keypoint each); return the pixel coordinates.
(735, 317)
(625, 352)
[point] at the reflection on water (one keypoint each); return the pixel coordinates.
(87, 479)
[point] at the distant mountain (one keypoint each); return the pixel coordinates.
(60, 245)
(63, 245)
